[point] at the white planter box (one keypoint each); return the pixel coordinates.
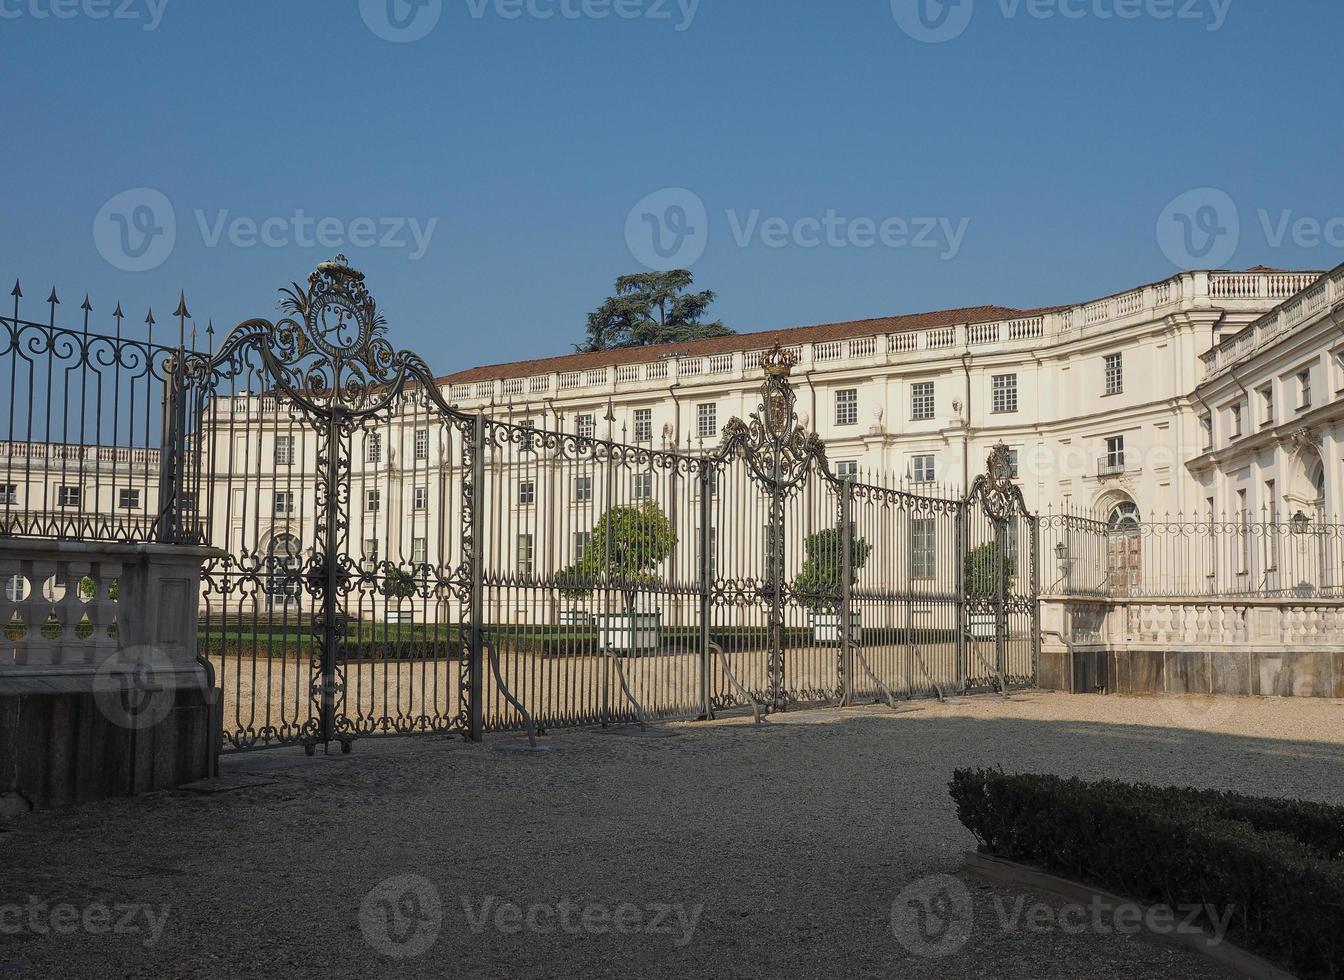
(982, 626)
(629, 632)
(826, 627)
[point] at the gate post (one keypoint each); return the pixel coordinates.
(1034, 523)
(706, 576)
(846, 659)
(476, 652)
(1000, 595)
(963, 508)
(167, 526)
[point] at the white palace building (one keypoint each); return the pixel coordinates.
(1209, 392)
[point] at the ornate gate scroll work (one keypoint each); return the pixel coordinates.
(779, 453)
(330, 357)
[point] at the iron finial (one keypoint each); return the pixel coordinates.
(86, 306)
(181, 305)
(16, 292)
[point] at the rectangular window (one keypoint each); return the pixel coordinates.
(284, 450)
(586, 426)
(1304, 386)
(1267, 404)
(707, 420)
(420, 498)
(283, 503)
(128, 499)
(373, 500)
(922, 468)
(1115, 374)
(422, 444)
(582, 541)
(68, 496)
(1012, 464)
(9, 493)
(847, 469)
(1003, 389)
(847, 406)
(643, 425)
(527, 493)
(921, 400)
(1114, 460)
(13, 590)
(370, 556)
(373, 447)
(583, 489)
(526, 565)
(418, 551)
(1235, 414)
(643, 486)
(923, 552)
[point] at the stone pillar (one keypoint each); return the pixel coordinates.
(101, 690)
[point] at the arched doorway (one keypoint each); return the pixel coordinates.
(1124, 546)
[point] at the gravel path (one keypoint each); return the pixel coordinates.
(700, 850)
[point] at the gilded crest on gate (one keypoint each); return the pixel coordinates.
(774, 443)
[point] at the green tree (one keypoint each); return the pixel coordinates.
(651, 308)
(627, 544)
(88, 589)
(978, 567)
(398, 584)
(817, 586)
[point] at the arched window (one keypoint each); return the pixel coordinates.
(1124, 517)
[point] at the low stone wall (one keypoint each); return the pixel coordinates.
(101, 691)
(1287, 647)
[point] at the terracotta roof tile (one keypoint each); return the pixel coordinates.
(758, 340)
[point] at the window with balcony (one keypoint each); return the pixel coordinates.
(921, 400)
(284, 450)
(643, 425)
(1113, 463)
(1003, 393)
(68, 496)
(847, 406)
(707, 420)
(128, 499)
(1115, 374)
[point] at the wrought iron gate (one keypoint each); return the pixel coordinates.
(390, 564)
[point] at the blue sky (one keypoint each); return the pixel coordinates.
(1026, 161)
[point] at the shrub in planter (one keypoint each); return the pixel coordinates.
(818, 586)
(1275, 865)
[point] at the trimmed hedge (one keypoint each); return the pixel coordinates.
(1277, 865)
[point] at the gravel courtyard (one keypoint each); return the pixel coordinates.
(696, 850)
